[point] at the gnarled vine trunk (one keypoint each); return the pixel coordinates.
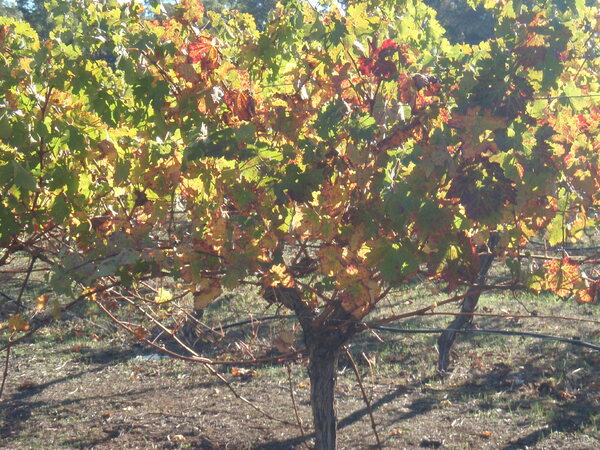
(322, 371)
(324, 345)
(323, 342)
(468, 306)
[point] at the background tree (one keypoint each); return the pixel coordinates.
(259, 8)
(34, 12)
(9, 9)
(463, 22)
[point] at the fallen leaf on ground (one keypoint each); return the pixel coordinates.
(566, 395)
(241, 372)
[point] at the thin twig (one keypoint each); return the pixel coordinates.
(364, 394)
(204, 361)
(5, 374)
(50, 318)
(574, 341)
(10, 343)
(512, 316)
(298, 419)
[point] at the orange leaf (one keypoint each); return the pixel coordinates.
(566, 395)
(239, 372)
(589, 295)
(561, 276)
(41, 302)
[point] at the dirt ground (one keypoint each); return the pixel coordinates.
(78, 384)
(106, 395)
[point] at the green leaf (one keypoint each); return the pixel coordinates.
(23, 178)
(338, 33)
(122, 169)
(5, 128)
(556, 229)
(60, 209)
(76, 140)
(575, 97)
(397, 264)
(363, 128)
(329, 119)
(8, 224)
(222, 143)
(60, 176)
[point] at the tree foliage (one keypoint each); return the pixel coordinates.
(463, 23)
(326, 159)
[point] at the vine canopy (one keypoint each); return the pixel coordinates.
(337, 151)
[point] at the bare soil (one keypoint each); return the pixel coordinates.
(78, 384)
(69, 390)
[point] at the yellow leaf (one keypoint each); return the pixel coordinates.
(331, 259)
(89, 292)
(56, 309)
(278, 275)
(163, 296)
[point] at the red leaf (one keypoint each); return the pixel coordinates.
(385, 69)
(205, 52)
(365, 65)
(388, 47)
(378, 63)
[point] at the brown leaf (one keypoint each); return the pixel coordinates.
(240, 103)
(283, 341)
(17, 323)
(108, 150)
(187, 72)
(206, 291)
(140, 333)
(25, 385)
(531, 56)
